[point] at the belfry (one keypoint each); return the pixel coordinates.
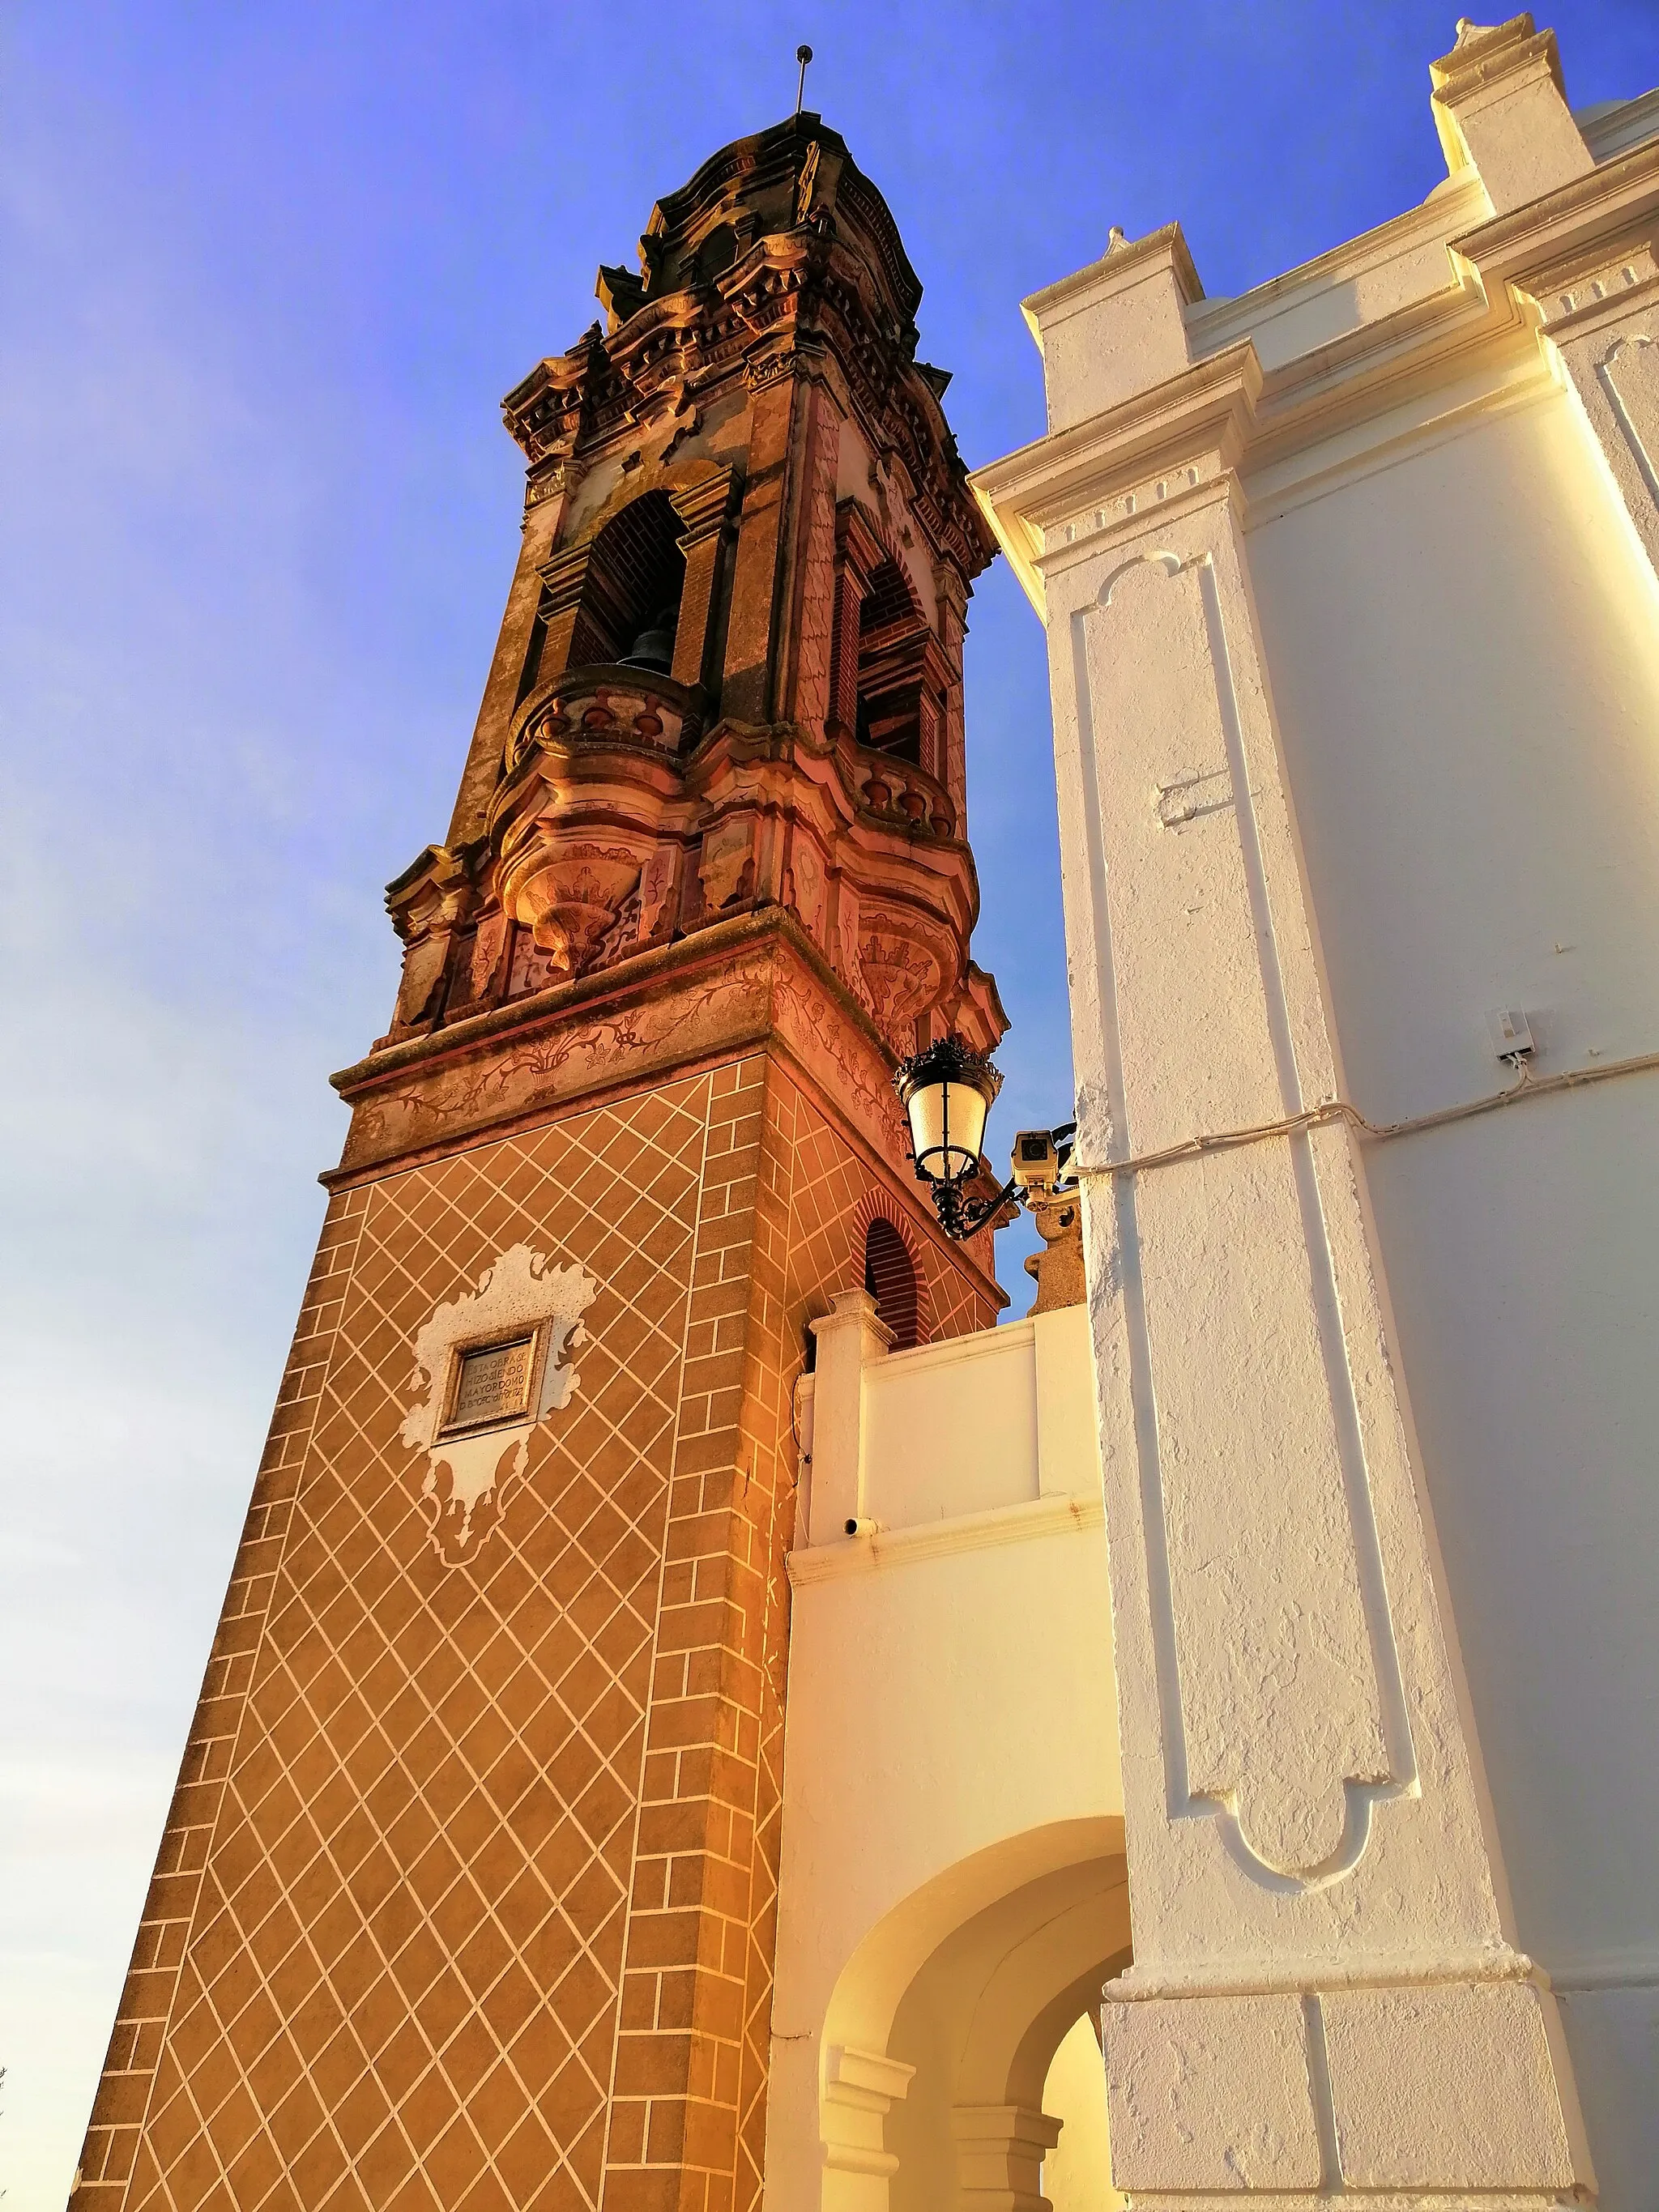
(467, 1896)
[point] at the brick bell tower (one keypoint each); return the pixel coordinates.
(466, 1896)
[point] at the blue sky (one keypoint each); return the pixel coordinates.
(264, 272)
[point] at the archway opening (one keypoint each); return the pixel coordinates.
(889, 1276)
(962, 2014)
(1077, 2173)
(983, 2025)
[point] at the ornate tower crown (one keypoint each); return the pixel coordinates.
(730, 677)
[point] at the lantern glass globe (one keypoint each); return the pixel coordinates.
(946, 1092)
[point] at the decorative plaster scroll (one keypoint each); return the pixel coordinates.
(1277, 1678)
(568, 893)
(657, 892)
(848, 966)
(814, 631)
(488, 943)
(1629, 373)
(808, 887)
(819, 1033)
(423, 968)
(901, 975)
(466, 1476)
(726, 858)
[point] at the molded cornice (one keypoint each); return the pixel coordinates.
(1226, 414)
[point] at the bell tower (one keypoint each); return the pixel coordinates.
(467, 1895)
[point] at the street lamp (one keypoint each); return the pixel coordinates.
(946, 1091)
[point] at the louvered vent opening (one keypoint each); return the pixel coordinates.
(889, 1276)
(891, 631)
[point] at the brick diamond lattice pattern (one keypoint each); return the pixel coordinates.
(467, 1897)
(406, 1954)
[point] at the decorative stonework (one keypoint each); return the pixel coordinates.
(727, 853)
(466, 1476)
(605, 703)
(1327, 1992)
(755, 981)
(422, 1105)
(1629, 371)
(570, 893)
(808, 890)
(813, 708)
(1290, 1778)
(901, 977)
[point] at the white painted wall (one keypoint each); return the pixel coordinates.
(1354, 648)
(1463, 646)
(950, 1749)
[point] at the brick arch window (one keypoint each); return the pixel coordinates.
(630, 597)
(889, 1276)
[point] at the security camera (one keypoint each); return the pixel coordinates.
(1037, 1164)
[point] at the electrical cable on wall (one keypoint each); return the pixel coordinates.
(1341, 1109)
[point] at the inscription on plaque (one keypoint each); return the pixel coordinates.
(492, 1383)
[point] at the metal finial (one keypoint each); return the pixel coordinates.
(803, 55)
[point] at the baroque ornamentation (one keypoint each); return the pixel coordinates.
(726, 858)
(807, 887)
(642, 796)
(454, 1096)
(519, 1296)
(901, 977)
(568, 894)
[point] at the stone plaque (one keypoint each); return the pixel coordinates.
(492, 1383)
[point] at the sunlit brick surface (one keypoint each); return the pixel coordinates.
(466, 1897)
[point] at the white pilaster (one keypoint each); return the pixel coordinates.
(1326, 1992)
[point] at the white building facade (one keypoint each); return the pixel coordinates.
(1350, 591)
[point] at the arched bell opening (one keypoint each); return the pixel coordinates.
(643, 592)
(630, 610)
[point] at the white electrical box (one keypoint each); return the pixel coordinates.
(1512, 1034)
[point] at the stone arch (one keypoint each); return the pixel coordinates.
(944, 2024)
(889, 1276)
(878, 1206)
(688, 485)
